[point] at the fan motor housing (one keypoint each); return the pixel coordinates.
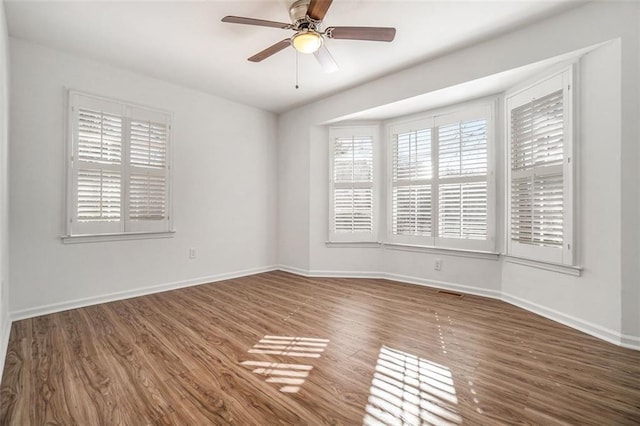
(298, 15)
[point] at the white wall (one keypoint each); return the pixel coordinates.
(631, 184)
(224, 188)
(4, 186)
(592, 302)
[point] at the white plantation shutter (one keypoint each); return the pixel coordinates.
(99, 195)
(540, 172)
(411, 171)
(440, 180)
(463, 210)
(352, 189)
(99, 157)
(463, 189)
(147, 196)
(119, 174)
(147, 193)
(99, 137)
(411, 206)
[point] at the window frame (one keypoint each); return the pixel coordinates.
(355, 130)
(562, 79)
(482, 108)
(124, 228)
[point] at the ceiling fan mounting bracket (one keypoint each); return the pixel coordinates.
(299, 18)
(298, 11)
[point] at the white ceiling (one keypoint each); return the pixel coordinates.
(184, 42)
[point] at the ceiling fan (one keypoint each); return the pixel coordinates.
(306, 20)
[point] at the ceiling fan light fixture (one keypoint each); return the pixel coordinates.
(307, 41)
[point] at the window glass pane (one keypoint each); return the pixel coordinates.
(412, 156)
(463, 149)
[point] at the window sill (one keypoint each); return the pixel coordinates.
(354, 244)
(97, 238)
(576, 271)
(476, 254)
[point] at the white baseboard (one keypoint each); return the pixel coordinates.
(4, 341)
(479, 291)
(81, 303)
(294, 270)
(611, 336)
(444, 285)
(594, 330)
(631, 342)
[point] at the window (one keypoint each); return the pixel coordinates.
(119, 167)
(540, 173)
(352, 198)
(440, 180)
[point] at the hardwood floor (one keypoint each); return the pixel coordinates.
(276, 348)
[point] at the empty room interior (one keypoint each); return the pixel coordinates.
(320, 212)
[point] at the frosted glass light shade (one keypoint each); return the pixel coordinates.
(307, 41)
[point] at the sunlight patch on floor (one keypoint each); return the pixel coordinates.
(290, 346)
(408, 390)
(292, 376)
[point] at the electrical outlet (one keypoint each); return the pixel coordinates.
(437, 265)
(192, 253)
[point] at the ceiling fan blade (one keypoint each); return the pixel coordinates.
(318, 8)
(252, 21)
(325, 59)
(271, 50)
(362, 33)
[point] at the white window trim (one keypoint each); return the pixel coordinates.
(342, 238)
(575, 271)
(547, 255)
(73, 236)
(432, 119)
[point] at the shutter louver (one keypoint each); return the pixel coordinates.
(463, 210)
(353, 212)
(537, 184)
(411, 207)
(147, 197)
(537, 210)
(148, 144)
(353, 184)
(537, 133)
(99, 137)
(98, 195)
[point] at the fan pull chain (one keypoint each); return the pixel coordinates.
(297, 55)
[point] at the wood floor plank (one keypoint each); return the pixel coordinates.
(277, 348)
